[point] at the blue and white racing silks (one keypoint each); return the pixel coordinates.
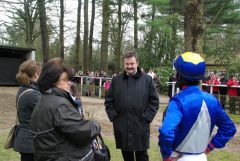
(190, 119)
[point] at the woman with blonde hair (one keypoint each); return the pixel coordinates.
(27, 97)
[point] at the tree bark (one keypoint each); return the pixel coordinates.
(77, 39)
(61, 33)
(193, 26)
(85, 38)
(29, 16)
(135, 17)
(91, 35)
(152, 31)
(173, 38)
(119, 37)
(105, 33)
(44, 30)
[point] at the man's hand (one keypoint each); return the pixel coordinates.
(175, 158)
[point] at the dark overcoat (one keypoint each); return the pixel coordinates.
(61, 133)
(23, 142)
(131, 104)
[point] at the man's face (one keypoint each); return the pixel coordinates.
(130, 65)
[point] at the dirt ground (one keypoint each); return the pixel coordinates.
(96, 105)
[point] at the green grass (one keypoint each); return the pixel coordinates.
(154, 154)
(235, 118)
(7, 155)
(223, 155)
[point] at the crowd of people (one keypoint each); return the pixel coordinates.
(222, 86)
(221, 92)
(91, 81)
(53, 127)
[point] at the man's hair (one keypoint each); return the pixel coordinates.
(130, 54)
(182, 82)
(51, 73)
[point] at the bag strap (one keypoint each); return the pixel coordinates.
(16, 120)
(101, 138)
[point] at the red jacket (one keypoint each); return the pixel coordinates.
(232, 91)
(214, 81)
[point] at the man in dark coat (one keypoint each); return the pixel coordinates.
(172, 78)
(131, 104)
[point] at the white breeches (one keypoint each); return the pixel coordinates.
(199, 157)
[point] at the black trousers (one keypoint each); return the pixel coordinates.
(27, 156)
(139, 155)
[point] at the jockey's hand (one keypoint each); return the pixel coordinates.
(176, 158)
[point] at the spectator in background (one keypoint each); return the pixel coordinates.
(223, 90)
(28, 96)
(232, 93)
(106, 85)
(172, 78)
(156, 81)
(214, 81)
(151, 73)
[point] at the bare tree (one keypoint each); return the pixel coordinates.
(77, 40)
(105, 33)
(85, 37)
(61, 33)
(135, 18)
(44, 29)
(91, 34)
(193, 25)
(119, 37)
(24, 18)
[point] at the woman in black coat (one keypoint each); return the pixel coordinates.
(61, 133)
(27, 97)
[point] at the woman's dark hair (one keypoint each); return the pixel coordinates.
(51, 73)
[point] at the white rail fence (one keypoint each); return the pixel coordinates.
(203, 84)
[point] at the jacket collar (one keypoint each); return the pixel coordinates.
(136, 76)
(32, 85)
(61, 93)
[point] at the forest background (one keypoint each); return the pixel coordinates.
(93, 35)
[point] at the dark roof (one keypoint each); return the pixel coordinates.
(8, 51)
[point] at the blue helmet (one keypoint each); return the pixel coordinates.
(190, 66)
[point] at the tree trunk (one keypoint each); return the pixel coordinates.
(91, 34)
(44, 30)
(173, 38)
(61, 33)
(193, 26)
(85, 38)
(27, 22)
(29, 16)
(119, 37)
(152, 32)
(135, 17)
(105, 32)
(77, 40)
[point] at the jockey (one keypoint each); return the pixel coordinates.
(191, 116)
